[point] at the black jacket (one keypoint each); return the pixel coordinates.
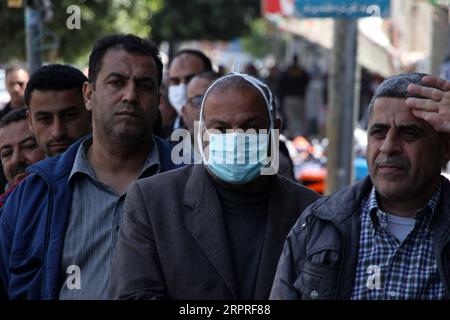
(173, 241)
(321, 251)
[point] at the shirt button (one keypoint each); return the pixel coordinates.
(392, 293)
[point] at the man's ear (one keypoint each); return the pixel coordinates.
(88, 91)
(30, 120)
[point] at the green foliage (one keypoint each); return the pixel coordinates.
(203, 19)
(98, 18)
(258, 42)
(12, 34)
(171, 20)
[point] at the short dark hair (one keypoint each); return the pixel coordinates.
(56, 77)
(127, 42)
(13, 116)
(206, 61)
(396, 87)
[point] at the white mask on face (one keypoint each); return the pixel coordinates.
(178, 96)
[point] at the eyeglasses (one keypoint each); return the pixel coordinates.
(196, 101)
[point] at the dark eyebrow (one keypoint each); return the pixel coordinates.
(49, 113)
(411, 126)
(379, 126)
(144, 79)
(400, 127)
(252, 121)
(137, 79)
(116, 74)
(218, 122)
(32, 138)
(26, 139)
(6, 146)
(42, 113)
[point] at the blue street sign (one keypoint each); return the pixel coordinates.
(342, 8)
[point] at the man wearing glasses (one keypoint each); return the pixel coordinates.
(184, 65)
(195, 91)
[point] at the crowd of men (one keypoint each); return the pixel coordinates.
(97, 204)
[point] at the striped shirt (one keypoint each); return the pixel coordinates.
(91, 236)
(390, 269)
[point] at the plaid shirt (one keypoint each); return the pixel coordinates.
(388, 269)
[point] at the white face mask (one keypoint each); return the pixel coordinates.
(178, 96)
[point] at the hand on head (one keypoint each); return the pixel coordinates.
(435, 106)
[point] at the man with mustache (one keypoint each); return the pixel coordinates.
(220, 230)
(58, 243)
(16, 78)
(385, 237)
(56, 110)
(56, 113)
(18, 146)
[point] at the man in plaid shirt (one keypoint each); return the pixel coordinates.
(387, 236)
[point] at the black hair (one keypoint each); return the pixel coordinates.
(13, 116)
(127, 42)
(206, 61)
(55, 77)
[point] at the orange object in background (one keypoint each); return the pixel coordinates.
(313, 177)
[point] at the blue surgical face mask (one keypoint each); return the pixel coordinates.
(242, 152)
(237, 157)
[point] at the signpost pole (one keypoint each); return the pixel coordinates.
(33, 29)
(340, 117)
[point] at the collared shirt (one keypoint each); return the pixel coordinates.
(91, 236)
(390, 269)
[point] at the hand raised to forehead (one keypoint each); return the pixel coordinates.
(435, 106)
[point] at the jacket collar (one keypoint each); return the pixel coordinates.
(58, 167)
(55, 171)
(206, 224)
(341, 205)
(343, 208)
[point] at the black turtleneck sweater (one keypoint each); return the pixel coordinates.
(245, 216)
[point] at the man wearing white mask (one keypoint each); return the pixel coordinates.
(219, 232)
(184, 65)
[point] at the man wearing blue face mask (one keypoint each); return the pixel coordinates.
(218, 231)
